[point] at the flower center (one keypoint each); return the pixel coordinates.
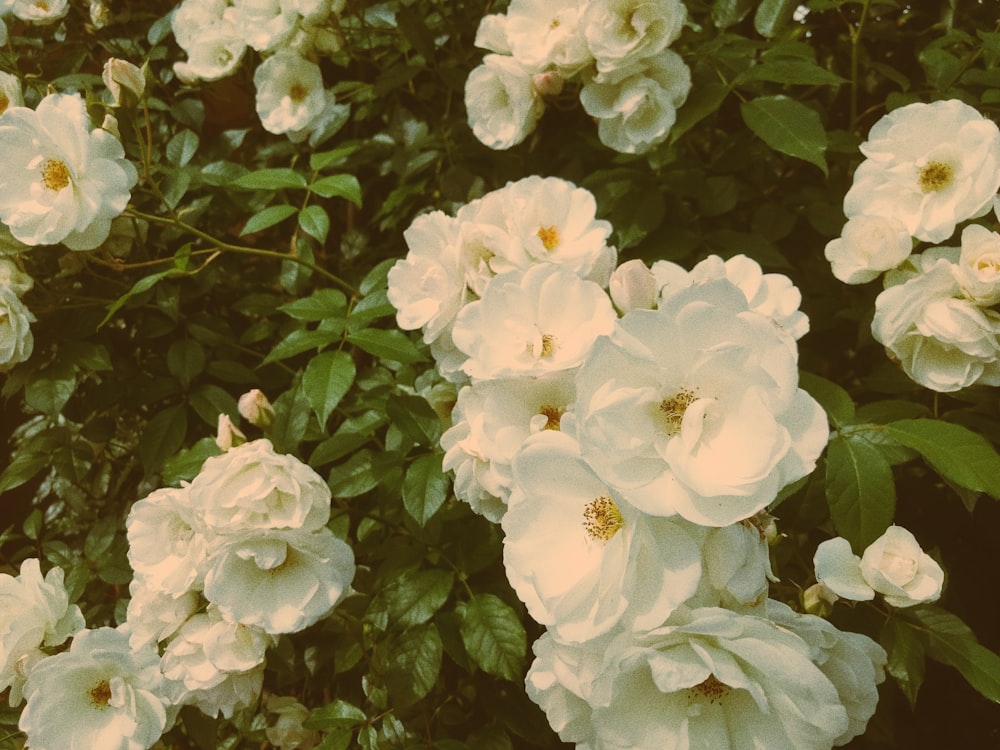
(602, 519)
(297, 92)
(4, 102)
(760, 521)
(673, 407)
(711, 690)
(224, 57)
(549, 237)
(936, 176)
(552, 414)
(42, 5)
(548, 345)
(55, 175)
(100, 694)
(554, 24)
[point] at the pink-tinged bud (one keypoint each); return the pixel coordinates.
(228, 435)
(818, 600)
(120, 76)
(256, 409)
(549, 83)
(633, 287)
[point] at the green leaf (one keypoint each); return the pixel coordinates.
(182, 147)
(326, 380)
(27, 462)
(142, 285)
(353, 477)
(387, 344)
(494, 637)
(952, 642)
(321, 305)
(801, 72)
(323, 159)
(268, 217)
(425, 488)
(703, 101)
(907, 657)
(270, 179)
(184, 466)
(291, 417)
(339, 186)
(50, 389)
(773, 15)
(100, 538)
(299, 341)
(860, 491)
(837, 402)
(209, 401)
(185, 360)
(415, 418)
(787, 126)
(338, 714)
(413, 664)
(315, 222)
(162, 438)
(726, 13)
(955, 452)
(413, 598)
(351, 434)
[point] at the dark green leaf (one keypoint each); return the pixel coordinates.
(339, 186)
(425, 488)
(802, 72)
(907, 659)
(268, 217)
(185, 465)
(326, 380)
(494, 637)
(182, 147)
(185, 360)
(50, 389)
(837, 402)
(787, 126)
(951, 641)
(323, 159)
(338, 714)
(321, 305)
(270, 179)
(860, 491)
(353, 477)
(315, 222)
(386, 344)
(415, 418)
(291, 417)
(413, 664)
(142, 285)
(413, 598)
(773, 15)
(162, 438)
(299, 341)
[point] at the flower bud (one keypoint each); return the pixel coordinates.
(549, 83)
(256, 409)
(633, 286)
(228, 435)
(110, 124)
(818, 600)
(119, 75)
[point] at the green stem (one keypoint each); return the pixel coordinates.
(855, 47)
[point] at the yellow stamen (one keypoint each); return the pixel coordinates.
(673, 408)
(298, 92)
(4, 102)
(936, 176)
(100, 694)
(552, 414)
(55, 175)
(602, 519)
(711, 689)
(548, 345)
(549, 237)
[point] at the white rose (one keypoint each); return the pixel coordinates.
(930, 166)
(547, 32)
(211, 34)
(167, 539)
(265, 24)
(492, 34)
(290, 93)
(502, 103)
(40, 13)
(153, 615)
(10, 91)
(16, 340)
(867, 246)
(637, 107)
(620, 32)
(102, 693)
(633, 286)
(192, 18)
(978, 269)
(13, 278)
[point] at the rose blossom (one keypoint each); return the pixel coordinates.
(502, 102)
(978, 268)
(867, 246)
(16, 339)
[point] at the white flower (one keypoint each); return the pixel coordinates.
(16, 339)
(868, 245)
(547, 32)
(227, 434)
(532, 322)
(716, 679)
(167, 540)
(287, 733)
(13, 278)
(502, 102)
(40, 12)
(153, 615)
(290, 93)
(265, 24)
(492, 419)
(633, 286)
(256, 409)
(637, 107)
(580, 556)
(978, 269)
(930, 166)
(620, 32)
(100, 693)
(694, 408)
(215, 665)
(209, 31)
(34, 612)
(253, 487)
(281, 581)
(10, 91)
(192, 18)
(893, 565)
(943, 341)
(854, 663)
(492, 34)
(63, 181)
(737, 565)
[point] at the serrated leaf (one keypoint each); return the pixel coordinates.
(860, 491)
(299, 341)
(494, 637)
(413, 664)
(386, 344)
(338, 714)
(268, 217)
(321, 305)
(50, 389)
(952, 642)
(327, 378)
(414, 598)
(787, 126)
(184, 466)
(353, 477)
(907, 657)
(315, 222)
(339, 186)
(162, 437)
(270, 179)
(425, 488)
(836, 402)
(182, 147)
(953, 451)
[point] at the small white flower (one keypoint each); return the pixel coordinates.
(978, 268)
(930, 166)
(16, 339)
(209, 31)
(167, 540)
(256, 409)
(266, 24)
(502, 102)
(867, 246)
(621, 32)
(100, 693)
(492, 34)
(40, 12)
(633, 286)
(63, 181)
(153, 615)
(547, 32)
(737, 565)
(290, 93)
(13, 278)
(10, 91)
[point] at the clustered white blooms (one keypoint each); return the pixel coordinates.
(16, 339)
(247, 536)
(893, 565)
(629, 458)
(632, 84)
(290, 36)
(929, 167)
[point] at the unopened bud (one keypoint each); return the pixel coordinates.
(818, 600)
(228, 435)
(256, 409)
(110, 124)
(549, 83)
(633, 286)
(120, 76)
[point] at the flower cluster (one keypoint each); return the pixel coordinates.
(629, 457)
(289, 34)
(33, 12)
(929, 168)
(249, 537)
(632, 83)
(16, 340)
